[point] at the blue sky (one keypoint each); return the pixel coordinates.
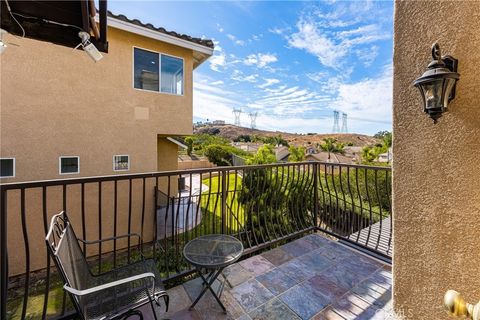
(292, 62)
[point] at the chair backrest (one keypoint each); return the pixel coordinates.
(63, 246)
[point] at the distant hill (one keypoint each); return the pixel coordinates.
(231, 132)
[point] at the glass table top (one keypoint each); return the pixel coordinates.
(212, 251)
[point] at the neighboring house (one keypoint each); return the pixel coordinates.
(334, 157)
(247, 146)
(281, 153)
(386, 157)
(218, 122)
(353, 152)
(65, 116)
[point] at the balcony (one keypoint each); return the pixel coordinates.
(310, 278)
(326, 227)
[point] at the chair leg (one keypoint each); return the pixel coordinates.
(167, 300)
(153, 307)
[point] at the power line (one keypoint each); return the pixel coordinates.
(370, 120)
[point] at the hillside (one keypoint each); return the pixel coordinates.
(231, 132)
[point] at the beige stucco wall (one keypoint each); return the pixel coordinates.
(436, 196)
(56, 101)
(195, 164)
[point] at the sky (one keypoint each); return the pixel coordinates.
(292, 63)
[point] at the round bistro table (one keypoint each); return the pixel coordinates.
(212, 252)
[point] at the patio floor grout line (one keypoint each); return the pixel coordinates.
(335, 263)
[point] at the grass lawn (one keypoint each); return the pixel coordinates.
(211, 201)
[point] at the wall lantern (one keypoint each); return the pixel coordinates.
(437, 84)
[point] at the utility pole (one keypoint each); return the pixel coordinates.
(344, 123)
(237, 113)
(253, 119)
(336, 121)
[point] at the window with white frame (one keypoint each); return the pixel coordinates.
(121, 163)
(69, 165)
(157, 72)
(7, 167)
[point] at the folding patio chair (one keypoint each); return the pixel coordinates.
(111, 295)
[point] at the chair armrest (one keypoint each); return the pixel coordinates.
(112, 238)
(111, 284)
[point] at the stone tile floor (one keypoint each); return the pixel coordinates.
(309, 278)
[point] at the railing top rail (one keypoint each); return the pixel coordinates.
(94, 179)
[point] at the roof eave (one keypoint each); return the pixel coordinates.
(203, 52)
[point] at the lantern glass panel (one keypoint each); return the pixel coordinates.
(448, 90)
(433, 94)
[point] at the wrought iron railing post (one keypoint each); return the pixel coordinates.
(224, 201)
(3, 255)
(315, 193)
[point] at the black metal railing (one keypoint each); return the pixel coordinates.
(261, 205)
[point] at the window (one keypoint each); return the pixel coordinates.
(69, 165)
(7, 167)
(172, 75)
(121, 163)
(157, 72)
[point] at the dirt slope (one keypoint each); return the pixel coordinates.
(231, 132)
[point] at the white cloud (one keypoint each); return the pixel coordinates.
(217, 83)
(218, 61)
(235, 40)
(279, 31)
(367, 55)
(219, 27)
(293, 101)
(238, 75)
(368, 99)
(210, 102)
(268, 82)
(314, 41)
(261, 60)
(316, 35)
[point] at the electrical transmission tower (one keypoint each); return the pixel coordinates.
(336, 121)
(237, 113)
(253, 119)
(344, 123)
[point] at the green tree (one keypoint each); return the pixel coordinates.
(381, 134)
(387, 140)
(243, 138)
(368, 154)
(264, 155)
(297, 154)
(332, 146)
(218, 155)
(189, 143)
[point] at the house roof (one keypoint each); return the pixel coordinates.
(178, 143)
(202, 48)
(204, 42)
(334, 157)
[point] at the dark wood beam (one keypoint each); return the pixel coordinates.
(85, 15)
(103, 24)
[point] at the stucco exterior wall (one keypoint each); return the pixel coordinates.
(55, 101)
(436, 184)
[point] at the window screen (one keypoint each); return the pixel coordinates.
(69, 165)
(172, 75)
(121, 163)
(7, 168)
